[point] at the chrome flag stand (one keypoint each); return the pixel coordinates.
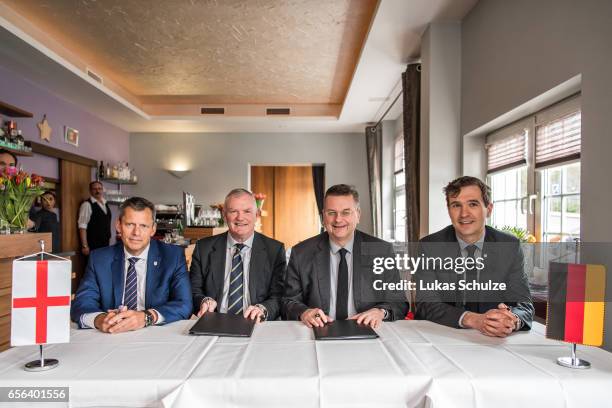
(42, 364)
(573, 361)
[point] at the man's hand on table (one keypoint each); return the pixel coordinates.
(495, 322)
(207, 305)
(372, 317)
(315, 318)
(121, 320)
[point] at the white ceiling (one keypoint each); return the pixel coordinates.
(392, 41)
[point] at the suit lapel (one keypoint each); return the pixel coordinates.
(256, 265)
(153, 268)
(117, 275)
(217, 265)
(321, 265)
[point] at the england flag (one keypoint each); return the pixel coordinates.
(41, 302)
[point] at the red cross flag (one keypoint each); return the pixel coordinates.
(41, 302)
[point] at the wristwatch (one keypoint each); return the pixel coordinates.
(148, 318)
(385, 313)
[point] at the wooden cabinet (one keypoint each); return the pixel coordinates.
(11, 247)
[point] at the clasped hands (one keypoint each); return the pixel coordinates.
(498, 322)
(252, 312)
(121, 320)
(317, 318)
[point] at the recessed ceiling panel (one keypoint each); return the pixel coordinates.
(213, 51)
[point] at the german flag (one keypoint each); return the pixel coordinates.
(576, 303)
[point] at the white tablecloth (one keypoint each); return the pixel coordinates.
(412, 364)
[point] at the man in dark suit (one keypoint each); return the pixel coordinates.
(328, 277)
(136, 283)
(240, 271)
(493, 255)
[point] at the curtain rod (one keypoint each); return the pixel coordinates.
(396, 98)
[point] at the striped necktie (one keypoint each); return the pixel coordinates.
(131, 285)
(236, 287)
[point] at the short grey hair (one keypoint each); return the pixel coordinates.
(343, 190)
(236, 193)
(137, 204)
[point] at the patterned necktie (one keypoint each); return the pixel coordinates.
(236, 287)
(131, 285)
(342, 287)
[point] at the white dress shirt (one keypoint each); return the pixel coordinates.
(246, 261)
(334, 264)
(85, 211)
(141, 287)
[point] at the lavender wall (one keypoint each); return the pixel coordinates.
(98, 140)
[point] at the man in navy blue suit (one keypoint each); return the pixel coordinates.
(133, 284)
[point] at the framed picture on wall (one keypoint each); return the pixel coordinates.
(71, 136)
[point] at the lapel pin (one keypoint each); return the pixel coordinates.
(155, 263)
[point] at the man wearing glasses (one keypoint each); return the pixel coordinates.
(327, 277)
(136, 283)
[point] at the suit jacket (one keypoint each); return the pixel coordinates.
(266, 271)
(167, 288)
(308, 281)
(503, 262)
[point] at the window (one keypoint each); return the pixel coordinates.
(399, 183)
(534, 173)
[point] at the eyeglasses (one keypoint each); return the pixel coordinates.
(333, 214)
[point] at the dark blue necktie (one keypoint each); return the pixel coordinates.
(131, 285)
(236, 287)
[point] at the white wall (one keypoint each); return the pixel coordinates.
(440, 120)
(220, 162)
(514, 51)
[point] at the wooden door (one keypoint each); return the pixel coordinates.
(292, 214)
(75, 179)
(262, 181)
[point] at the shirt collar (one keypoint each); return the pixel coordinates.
(144, 255)
(93, 200)
(231, 241)
(349, 245)
(479, 244)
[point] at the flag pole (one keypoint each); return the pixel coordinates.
(573, 361)
(42, 364)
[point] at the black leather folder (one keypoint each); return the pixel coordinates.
(223, 325)
(344, 330)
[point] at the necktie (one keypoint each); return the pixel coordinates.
(236, 287)
(131, 285)
(471, 275)
(342, 287)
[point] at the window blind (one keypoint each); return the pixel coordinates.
(558, 140)
(507, 152)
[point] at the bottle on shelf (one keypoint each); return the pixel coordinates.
(19, 140)
(101, 171)
(115, 172)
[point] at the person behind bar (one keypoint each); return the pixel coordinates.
(45, 219)
(326, 279)
(135, 283)
(7, 159)
(94, 220)
(498, 314)
(239, 271)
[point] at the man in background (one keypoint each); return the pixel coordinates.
(94, 220)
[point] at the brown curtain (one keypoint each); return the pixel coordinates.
(411, 84)
(374, 156)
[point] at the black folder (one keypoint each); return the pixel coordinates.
(223, 325)
(344, 330)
